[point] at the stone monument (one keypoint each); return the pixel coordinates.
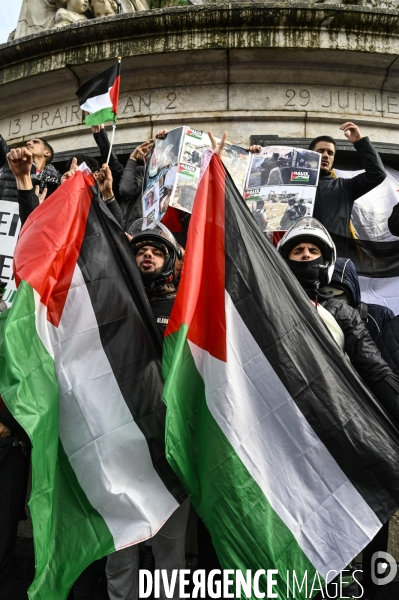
(37, 16)
(253, 68)
(288, 69)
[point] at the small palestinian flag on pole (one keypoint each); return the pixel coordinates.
(99, 96)
(80, 370)
(287, 456)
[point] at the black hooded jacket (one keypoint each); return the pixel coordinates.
(388, 343)
(335, 197)
(374, 316)
(359, 347)
(362, 351)
(130, 189)
(365, 356)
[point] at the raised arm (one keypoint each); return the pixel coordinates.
(374, 169)
(20, 161)
(130, 184)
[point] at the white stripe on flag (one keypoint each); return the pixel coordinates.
(96, 103)
(105, 447)
(299, 477)
(380, 290)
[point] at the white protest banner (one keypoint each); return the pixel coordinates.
(10, 225)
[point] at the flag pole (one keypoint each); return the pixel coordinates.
(114, 123)
(112, 142)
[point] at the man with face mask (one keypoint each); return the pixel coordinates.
(310, 253)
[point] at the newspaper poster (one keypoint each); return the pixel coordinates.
(281, 186)
(161, 174)
(235, 158)
(172, 176)
(10, 225)
(195, 142)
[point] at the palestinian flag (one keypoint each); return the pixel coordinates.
(377, 264)
(80, 370)
(99, 96)
(286, 455)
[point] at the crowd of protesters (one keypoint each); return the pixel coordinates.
(363, 331)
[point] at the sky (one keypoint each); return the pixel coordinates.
(9, 18)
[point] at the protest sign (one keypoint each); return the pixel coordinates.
(174, 166)
(281, 186)
(10, 225)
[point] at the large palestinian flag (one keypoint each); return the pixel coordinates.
(287, 457)
(99, 96)
(80, 370)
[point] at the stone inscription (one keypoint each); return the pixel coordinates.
(69, 115)
(197, 99)
(46, 119)
(316, 99)
(341, 101)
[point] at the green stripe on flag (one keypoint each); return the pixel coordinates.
(68, 532)
(101, 116)
(246, 531)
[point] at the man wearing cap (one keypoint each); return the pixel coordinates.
(159, 260)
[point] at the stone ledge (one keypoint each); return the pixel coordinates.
(225, 25)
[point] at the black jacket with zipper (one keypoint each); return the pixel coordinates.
(335, 197)
(365, 356)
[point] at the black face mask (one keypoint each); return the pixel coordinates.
(304, 271)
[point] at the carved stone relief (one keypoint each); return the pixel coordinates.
(40, 15)
(37, 16)
(72, 13)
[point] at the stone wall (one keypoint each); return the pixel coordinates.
(250, 68)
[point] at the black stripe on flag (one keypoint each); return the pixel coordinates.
(128, 332)
(371, 259)
(98, 85)
(333, 399)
